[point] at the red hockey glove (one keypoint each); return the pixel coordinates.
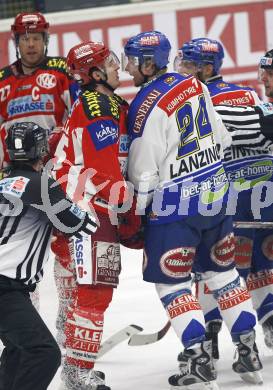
(60, 246)
(130, 228)
(53, 140)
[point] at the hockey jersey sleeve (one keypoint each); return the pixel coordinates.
(146, 155)
(245, 126)
(100, 153)
(69, 218)
(99, 147)
(31, 189)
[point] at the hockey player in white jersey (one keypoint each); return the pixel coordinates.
(175, 166)
(203, 57)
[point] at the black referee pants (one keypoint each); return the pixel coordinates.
(31, 356)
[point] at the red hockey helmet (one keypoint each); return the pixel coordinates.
(81, 58)
(27, 22)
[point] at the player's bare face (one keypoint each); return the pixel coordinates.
(113, 75)
(187, 67)
(267, 79)
(111, 68)
(31, 47)
(133, 71)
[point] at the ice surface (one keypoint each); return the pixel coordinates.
(147, 367)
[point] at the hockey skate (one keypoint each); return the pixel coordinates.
(196, 370)
(268, 332)
(212, 329)
(248, 364)
(76, 378)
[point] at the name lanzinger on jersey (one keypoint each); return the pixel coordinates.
(195, 161)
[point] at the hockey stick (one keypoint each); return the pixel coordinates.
(253, 225)
(117, 338)
(149, 338)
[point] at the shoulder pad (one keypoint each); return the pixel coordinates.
(96, 104)
(56, 63)
(5, 73)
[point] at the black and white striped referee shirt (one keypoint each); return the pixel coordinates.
(246, 127)
(25, 230)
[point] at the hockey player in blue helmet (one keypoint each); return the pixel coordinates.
(171, 122)
(195, 55)
(203, 57)
(148, 53)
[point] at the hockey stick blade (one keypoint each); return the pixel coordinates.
(253, 225)
(149, 338)
(118, 337)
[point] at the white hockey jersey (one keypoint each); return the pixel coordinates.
(176, 148)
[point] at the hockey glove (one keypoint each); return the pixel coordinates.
(53, 140)
(60, 245)
(265, 112)
(130, 228)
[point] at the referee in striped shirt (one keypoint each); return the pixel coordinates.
(31, 356)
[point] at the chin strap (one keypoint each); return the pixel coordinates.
(145, 77)
(105, 84)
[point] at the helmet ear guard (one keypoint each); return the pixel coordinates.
(26, 141)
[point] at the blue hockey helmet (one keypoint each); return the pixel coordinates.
(203, 51)
(149, 45)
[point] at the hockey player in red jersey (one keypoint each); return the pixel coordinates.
(91, 160)
(203, 57)
(37, 88)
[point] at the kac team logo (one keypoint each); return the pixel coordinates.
(46, 80)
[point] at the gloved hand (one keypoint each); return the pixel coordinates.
(130, 228)
(265, 112)
(53, 140)
(60, 245)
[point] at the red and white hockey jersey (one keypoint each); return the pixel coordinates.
(43, 97)
(91, 157)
